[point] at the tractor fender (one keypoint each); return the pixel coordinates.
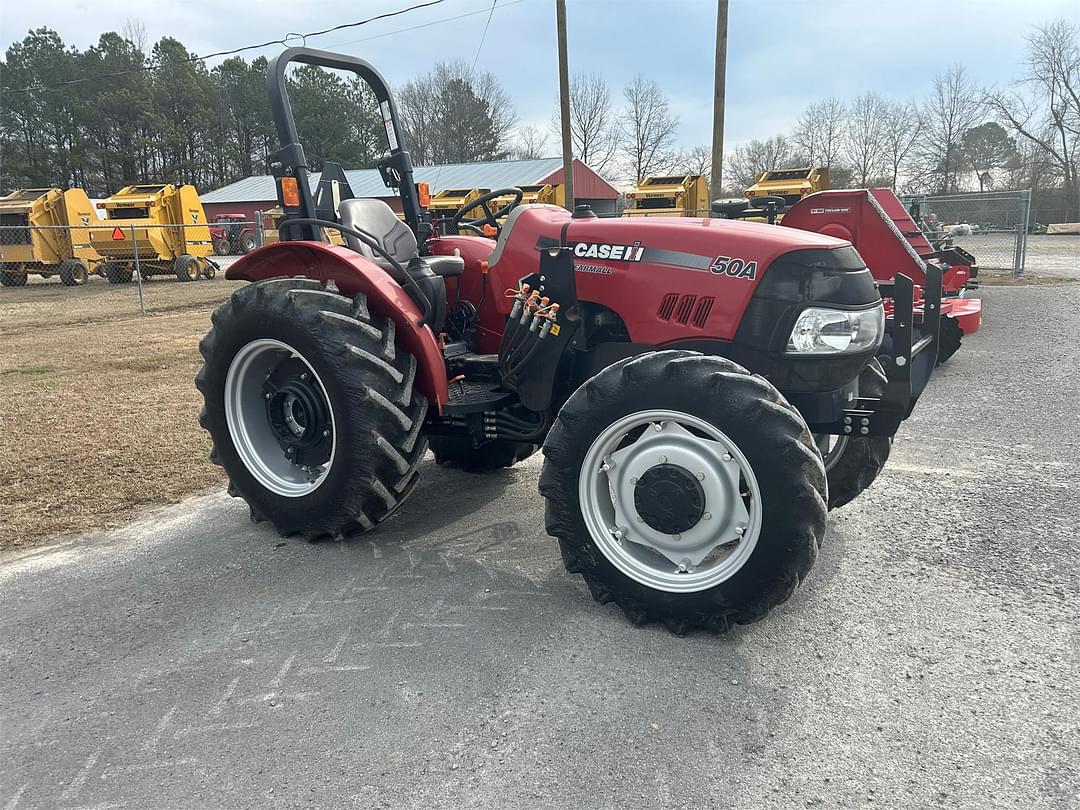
(353, 274)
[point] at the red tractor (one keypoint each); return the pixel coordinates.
(684, 376)
(233, 234)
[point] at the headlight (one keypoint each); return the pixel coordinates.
(837, 331)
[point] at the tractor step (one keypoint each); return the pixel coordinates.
(475, 396)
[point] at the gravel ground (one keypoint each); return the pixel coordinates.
(195, 660)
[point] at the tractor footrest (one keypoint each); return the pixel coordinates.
(475, 396)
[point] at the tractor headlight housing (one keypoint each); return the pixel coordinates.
(819, 330)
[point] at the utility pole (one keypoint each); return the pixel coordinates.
(564, 106)
(718, 99)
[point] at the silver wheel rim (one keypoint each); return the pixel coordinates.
(831, 448)
(701, 557)
(250, 429)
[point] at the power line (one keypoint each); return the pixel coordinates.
(423, 25)
(483, 36)
(283, 41)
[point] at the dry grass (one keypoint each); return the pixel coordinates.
(99, 406)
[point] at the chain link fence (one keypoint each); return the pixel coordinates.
(146, 267)
(992, 226)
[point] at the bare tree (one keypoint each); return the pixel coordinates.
(531, 143)
(648, 129)
(134, 31)
(1044, 107)
(697, 161)
(865, 144)
(902, 127)
(949, 112)
(454, 114)
(819, 133)
(594, 131)
(743, 166)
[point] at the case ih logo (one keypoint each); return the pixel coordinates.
(616, 253)
(734, 267)
(830, 210)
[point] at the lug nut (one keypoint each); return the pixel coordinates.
(707, 516)
(727, 456)
(847, 428)
(676, 537)
(847, 420)
(700, 476)
(633, 481)
(268, 396)
(303, 376)
(740, 530)
(663, 459)
(326, 433)
(864, 430)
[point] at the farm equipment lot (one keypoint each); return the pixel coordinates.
(195, 659)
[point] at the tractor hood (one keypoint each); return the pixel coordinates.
(676, 278)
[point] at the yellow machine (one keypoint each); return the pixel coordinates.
(160, 227)
(686, 196)
(547, 194)
(791, 184)
(45, 231)
(273, 217)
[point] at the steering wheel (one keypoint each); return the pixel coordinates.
(490, 218)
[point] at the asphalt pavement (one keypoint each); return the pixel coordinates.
(195, 660)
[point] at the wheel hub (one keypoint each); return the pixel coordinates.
(669, 499)
(298, 413)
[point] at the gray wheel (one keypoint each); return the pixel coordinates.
(255, 417)
(312, 408)
(642, 464)
(685, 490)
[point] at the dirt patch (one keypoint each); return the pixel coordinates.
(99, 406)
(1009, 280)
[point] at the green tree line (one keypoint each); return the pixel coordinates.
(117, 113)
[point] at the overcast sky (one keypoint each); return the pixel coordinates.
(782, 55)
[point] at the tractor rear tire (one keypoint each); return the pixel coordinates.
(495, 455)
(186, 267)
(367, 385)
(9, 278)
(854, 462)
(949, 339)
(725, 416)
(222, 247)
(72, 273)
(116, 273)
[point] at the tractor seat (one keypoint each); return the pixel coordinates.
(730, 206)
(378, 220)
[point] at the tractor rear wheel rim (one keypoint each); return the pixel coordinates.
(712, 524)
(254, 437)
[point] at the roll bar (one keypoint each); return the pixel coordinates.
(289, 160)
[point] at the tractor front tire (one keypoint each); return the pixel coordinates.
(10, 278)
(247, 243)
(494, 455)
(337, 352)
(222, 247)
(696, 455)
(949, 339)
(116, 273)
(186, 267)
(854, 462)
(72, 273)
